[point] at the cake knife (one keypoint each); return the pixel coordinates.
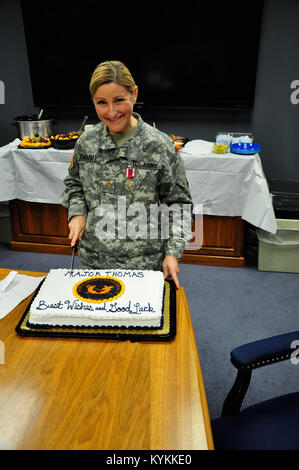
(75, 249)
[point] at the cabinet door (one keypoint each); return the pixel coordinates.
(39, 223)
(222, 242)
(222, 235)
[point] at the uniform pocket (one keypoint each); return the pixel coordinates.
(144, 186)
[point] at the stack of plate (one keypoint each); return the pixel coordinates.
(245, 148)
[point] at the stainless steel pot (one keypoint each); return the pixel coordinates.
(30, 125)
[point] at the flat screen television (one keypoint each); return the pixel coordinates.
(198, 55)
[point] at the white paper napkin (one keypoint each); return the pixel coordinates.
(15, 288)
(197, 147)
(4, 284)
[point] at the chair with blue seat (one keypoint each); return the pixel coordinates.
(271, 424)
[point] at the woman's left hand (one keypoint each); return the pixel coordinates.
(170, 268)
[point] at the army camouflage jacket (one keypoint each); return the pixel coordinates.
(123, 229)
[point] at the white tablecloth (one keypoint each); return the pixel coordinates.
(34, 175)
(228, 185)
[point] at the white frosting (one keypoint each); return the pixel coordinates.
(140, 305)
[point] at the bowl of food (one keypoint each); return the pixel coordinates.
(178, 141)
(221, 148)
(65, 141)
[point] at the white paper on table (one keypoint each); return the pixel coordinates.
(18, 289)
(198, 147)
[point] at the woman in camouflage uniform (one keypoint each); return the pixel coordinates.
(121, 167)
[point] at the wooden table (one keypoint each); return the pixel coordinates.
(88, 394)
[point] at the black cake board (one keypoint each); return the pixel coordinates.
(166, 333)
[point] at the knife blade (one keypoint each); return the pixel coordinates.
(75, 249)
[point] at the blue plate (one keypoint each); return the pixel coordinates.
(245, 149)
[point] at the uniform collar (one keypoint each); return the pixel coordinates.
(106, 142)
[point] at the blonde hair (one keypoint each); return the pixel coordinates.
(111, 71)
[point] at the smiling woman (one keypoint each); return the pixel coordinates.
(124, 157)
(114, 94)
(114, 107)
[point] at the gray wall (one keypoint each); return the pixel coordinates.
(14, 69)
(274, 120)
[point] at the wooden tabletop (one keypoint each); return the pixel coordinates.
(90, 394)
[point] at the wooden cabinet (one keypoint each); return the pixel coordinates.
(39, 227)
(43, 228)
(222, 243)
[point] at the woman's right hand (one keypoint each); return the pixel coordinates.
(77, 226)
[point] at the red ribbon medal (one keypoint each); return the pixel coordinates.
(130, 173)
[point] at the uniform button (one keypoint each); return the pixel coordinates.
(107, 185)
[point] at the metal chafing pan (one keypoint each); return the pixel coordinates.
(29, 125)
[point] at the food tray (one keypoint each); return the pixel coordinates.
(166, 333)
(27, 147)
(63, 144)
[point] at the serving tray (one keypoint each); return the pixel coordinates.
(166, 333)
(28, 147)
(63, 144)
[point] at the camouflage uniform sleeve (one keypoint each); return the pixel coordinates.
(174, 190)
(73, 196)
